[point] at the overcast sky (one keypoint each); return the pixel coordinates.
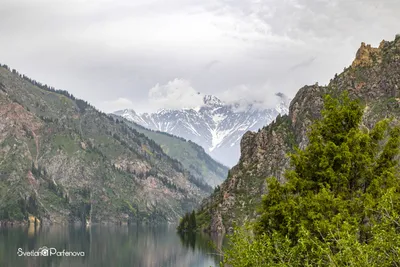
(151, 54)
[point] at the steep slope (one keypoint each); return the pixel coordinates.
(216, 126)
(192, 156)
(61, 159)
(374, 78)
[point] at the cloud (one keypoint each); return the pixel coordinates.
(119, 103)
(243, 49)
(179, 93)
(211, 64)
(175, 94)
(261, 96)
(303, 64)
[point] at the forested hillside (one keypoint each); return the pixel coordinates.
(62, 160)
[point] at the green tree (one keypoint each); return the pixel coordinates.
(192, 221)
(340, 205)
(188, 223)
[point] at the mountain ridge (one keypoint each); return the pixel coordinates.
(63, 160)
(192, 156)
(373, 78)
(215, 125)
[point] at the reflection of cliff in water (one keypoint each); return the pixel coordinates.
(107, 246)
(209, 244)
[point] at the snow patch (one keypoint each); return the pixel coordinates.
(218, 118)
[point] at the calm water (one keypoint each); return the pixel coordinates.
(103, 246)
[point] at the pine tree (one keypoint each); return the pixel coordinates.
(339, 206)
(188, 223)
(192, 224)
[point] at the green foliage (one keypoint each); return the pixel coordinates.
(14, 211)
(68, 143)
(20, 209)
(203, 218)
(341, 204)
(81, 209)
(188, 223)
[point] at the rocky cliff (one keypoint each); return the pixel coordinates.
(374, 78)
(62, 160)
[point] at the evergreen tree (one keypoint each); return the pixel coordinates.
(192, 222)
(188, 223)
(340, 205)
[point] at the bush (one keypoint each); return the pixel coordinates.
(341, 203)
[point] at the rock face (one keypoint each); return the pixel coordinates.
(216, 126)
(374, 78)
(367, 55)
(62, 160)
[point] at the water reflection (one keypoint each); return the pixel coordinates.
(211, 245)
(109, 246)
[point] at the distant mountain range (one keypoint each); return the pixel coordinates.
(192, 156)
(216, 126)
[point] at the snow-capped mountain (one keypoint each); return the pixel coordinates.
(216, 126)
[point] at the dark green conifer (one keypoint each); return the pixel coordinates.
(339, 206)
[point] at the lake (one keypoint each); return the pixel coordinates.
(104, 246)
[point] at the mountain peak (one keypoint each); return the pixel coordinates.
(215, 125)
(211, 100)
(367, 55)
(124, 111)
